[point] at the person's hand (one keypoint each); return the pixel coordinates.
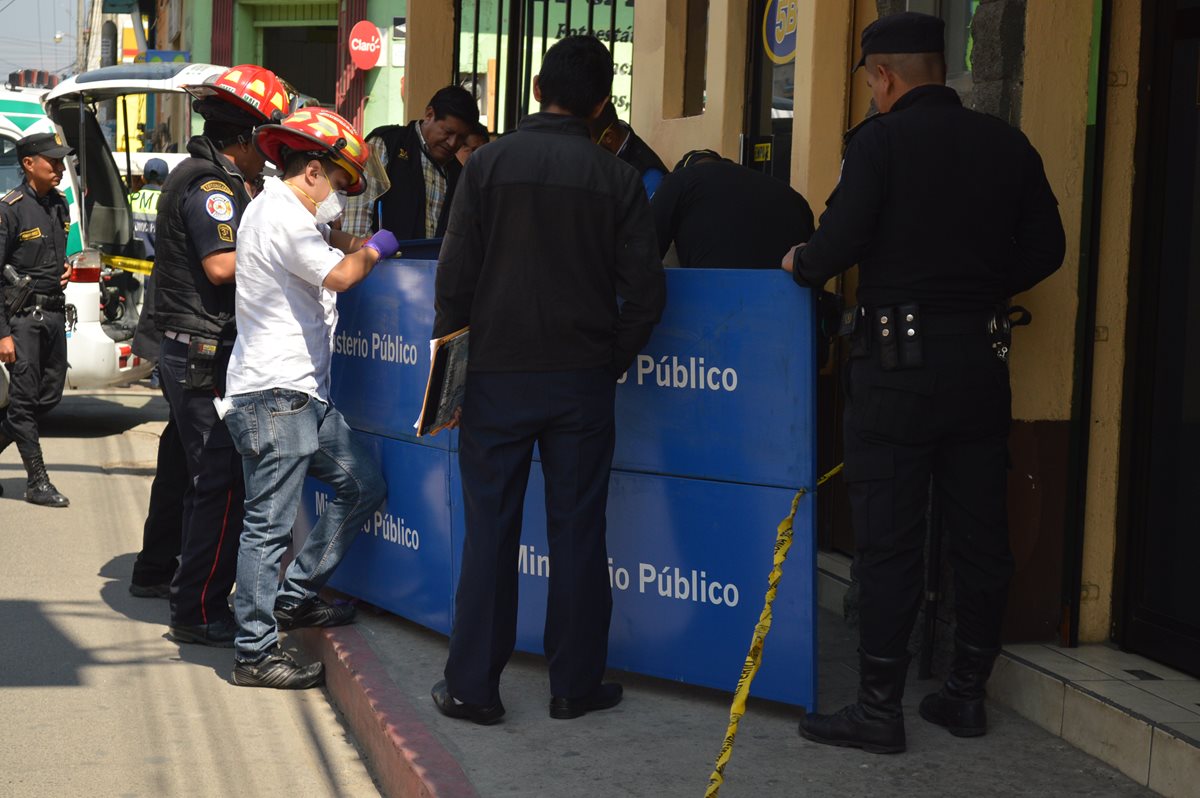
(455, 420)
(66, 275)
(789, 260)
(384, 243)
(8, 350)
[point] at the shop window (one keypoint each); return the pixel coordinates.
(959, 42)
(500, 44)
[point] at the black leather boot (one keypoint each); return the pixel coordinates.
(39, 489)
(876, 723)
(959, 704)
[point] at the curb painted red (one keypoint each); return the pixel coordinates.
(405, 757)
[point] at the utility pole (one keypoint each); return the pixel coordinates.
(80, 45)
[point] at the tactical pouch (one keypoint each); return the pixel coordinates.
(201, 363)
(908, 336)
(16, 289)
(855, 329)
(885, 338)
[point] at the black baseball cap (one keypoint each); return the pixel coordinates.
(906, 32)
(48, 145)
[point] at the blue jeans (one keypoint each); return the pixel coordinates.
(284, 436)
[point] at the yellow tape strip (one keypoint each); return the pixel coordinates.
(783, 544)
(135, 265)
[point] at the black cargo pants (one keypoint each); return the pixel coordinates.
(948, 419)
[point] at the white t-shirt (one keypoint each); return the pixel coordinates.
(285, 318)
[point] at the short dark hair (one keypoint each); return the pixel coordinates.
(577, 73)
(223, 134)
(457, 102)
(296, 161)
(480, 129)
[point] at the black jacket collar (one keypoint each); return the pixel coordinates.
(203, 148)
(932, 94)
(542, 122)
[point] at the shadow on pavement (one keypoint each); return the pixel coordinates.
(36, 653)
(96, 417)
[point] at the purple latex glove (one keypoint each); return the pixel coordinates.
(384, 243)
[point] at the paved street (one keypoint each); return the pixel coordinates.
(95, 700)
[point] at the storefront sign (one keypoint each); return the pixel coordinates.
(366, 45)
(715, 431)
(779, 30)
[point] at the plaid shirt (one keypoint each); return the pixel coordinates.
(435, 188)
(357, 219)
(361, 219)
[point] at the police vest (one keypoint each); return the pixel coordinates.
(35, 236)
(184, 300)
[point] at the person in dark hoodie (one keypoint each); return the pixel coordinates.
(616, 136)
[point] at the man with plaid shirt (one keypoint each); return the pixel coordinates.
(420, 162)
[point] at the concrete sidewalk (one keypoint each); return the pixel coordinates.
(662, 740)
(96, 701)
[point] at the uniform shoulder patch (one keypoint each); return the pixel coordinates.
(12, 197)
(219, 206)
(216, 185)
(225, 233)
(30, 234)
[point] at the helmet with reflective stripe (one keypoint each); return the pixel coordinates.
(323, 134)
(249, 88)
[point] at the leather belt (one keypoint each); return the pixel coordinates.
(186, 338)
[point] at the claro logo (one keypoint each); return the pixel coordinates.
(366, 45)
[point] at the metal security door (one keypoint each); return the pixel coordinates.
(1161, 617)
(500, 44)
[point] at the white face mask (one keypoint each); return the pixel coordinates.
(330, 208)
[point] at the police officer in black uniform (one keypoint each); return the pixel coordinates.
(33, 342)
(196, 235)
(948, 214)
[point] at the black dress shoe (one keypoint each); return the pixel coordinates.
(605, 696)
(218, 634)
(279, 671)
(311, 612)
(162, 590)
(451, 707)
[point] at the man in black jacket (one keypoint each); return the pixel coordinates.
(422, 167)
(546, 233)
(948, 214)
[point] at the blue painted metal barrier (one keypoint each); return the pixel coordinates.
(715, 432)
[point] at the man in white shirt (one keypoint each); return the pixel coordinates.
(290, 266)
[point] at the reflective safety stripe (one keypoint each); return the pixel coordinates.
(145, 201)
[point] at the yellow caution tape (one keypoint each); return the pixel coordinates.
(783, 544)
(135, 265)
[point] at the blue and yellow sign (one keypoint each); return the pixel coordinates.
(779, 30)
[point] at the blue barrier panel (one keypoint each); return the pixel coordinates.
(401, 559)
(715, 428)
(689, 561)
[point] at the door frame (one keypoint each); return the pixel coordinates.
(1134, 627)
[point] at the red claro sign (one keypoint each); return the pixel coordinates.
(366, 45)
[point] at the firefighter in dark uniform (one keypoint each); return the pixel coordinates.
(948, 214)
(195, 237)
(33, 342)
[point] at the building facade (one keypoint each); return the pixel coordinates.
(1106, 401)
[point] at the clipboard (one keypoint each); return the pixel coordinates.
(447, 381)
